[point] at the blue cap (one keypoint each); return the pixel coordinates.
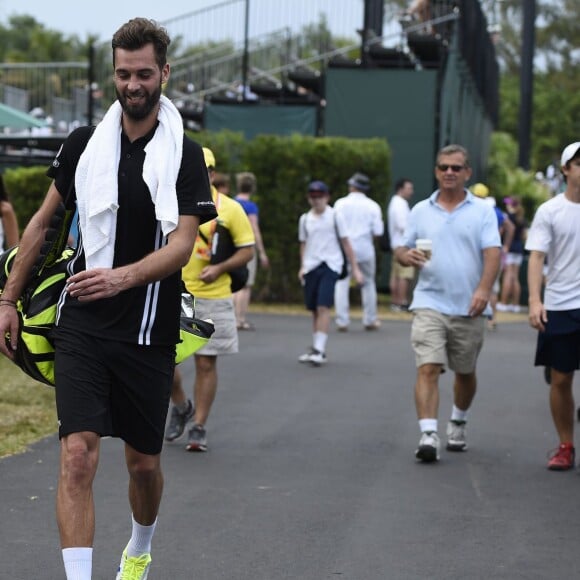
(318, 186)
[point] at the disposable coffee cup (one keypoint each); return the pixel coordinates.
(425, 247)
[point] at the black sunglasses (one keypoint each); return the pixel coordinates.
(455, 168)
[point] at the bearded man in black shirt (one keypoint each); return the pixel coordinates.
(141, 190)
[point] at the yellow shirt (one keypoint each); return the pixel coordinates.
(232, 216)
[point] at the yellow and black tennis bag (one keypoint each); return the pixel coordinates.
(37, 312)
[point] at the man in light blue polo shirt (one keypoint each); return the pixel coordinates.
(451, 298)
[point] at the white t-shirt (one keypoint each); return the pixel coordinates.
(364, 221)
(555, 231)
(397, 218)
(318, 231)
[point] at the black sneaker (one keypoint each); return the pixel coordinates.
(178, 421)
(197, 439)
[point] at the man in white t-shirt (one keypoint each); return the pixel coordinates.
(555, 234)
(397, 217)
(364, 221)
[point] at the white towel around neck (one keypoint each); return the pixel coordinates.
(97, 187)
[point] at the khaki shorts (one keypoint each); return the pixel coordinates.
(398, 271)
(452, 340)
(225, 338)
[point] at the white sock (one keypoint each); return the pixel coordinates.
(428, 425)
(319, 341)
(140, 542)
(78, 563)
(458, 415)
(183, 407)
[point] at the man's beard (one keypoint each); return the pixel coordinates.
(138, 112)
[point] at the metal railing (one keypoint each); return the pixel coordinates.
(56, 91)
(214, 50)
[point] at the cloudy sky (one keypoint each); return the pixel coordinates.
(100, 17)
(103, 17)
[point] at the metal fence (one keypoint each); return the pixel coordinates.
(54, 91)
(214, 50)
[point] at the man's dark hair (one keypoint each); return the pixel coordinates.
(574, 157)
(139, 32)
(400, 183)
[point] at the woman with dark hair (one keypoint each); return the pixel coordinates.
(9, 235)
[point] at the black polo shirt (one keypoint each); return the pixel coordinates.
(146, 314)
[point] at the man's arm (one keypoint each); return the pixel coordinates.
(32, 239)
(536, 312)
(241, 256)
(480, 298)
(349, 252)
(106, 282)
(301, 270)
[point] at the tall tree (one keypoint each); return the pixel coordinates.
(26, 40)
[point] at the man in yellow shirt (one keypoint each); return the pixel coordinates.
(210, 284)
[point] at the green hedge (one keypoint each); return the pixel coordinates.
(26, 187)
(283, 167)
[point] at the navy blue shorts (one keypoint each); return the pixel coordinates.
(559, 345)
(319, 287)
(113, 388)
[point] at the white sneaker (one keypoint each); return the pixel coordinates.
(456, 436)
(317, 358)
(501, 307)
(305, 358)
(429, 445)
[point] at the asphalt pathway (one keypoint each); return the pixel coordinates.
(311, 474)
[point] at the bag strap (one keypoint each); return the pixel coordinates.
(336, 230)
(302, 221)
(56, 237)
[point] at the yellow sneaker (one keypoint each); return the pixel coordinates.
(135, 568)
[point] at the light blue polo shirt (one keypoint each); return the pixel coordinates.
(448, 282)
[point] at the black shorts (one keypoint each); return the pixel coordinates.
(113, 388)
(558, 346)
(319, 287)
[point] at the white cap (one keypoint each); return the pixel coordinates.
(569, 152)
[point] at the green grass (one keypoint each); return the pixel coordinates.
(27, 411)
